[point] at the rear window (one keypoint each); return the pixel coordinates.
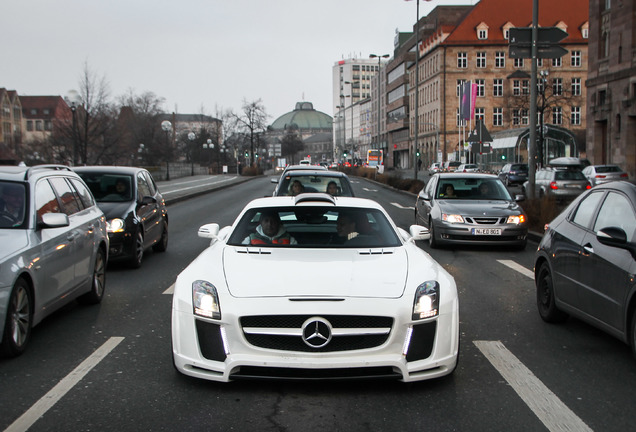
(519, 167)
(314, 183)
(569, 175)
(608, 169)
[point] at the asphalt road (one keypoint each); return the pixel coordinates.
(109, 367)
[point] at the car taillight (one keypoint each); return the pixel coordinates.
(624, 175)
(600, 176)
(588, 186)
(553, 185)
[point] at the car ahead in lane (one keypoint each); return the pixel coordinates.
(299, 181)
(514, 173)
(598, 174)
(585, 263)
(463, 168)
(470, 208)
(450, 166)
(434, 168)
(563, 184)
(135, 210)
(387, 309)
(54, 248)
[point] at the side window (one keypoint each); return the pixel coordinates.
(586, 209)
(430, 189)
(70, 203)
(45, 199)
(84, 194)
(617, 204)
(142, 186)
(151, 183)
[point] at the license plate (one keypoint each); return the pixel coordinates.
(571, 186)
(486, 231)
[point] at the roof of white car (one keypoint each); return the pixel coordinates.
(313, 199)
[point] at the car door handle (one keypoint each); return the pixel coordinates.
(589, 249)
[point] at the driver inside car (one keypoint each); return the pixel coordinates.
(270, 231)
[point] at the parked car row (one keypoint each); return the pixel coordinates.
(60, 227)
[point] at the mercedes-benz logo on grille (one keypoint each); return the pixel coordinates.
(317, 332)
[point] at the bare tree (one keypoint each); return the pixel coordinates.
(291, 144)
(252, 122)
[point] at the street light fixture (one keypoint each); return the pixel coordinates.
(191, 137)
(73, 99)
(379, 57)
(208, 146)
(166, 126)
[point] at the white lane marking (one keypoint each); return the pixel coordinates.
(369, 190)
(26, 420)
(553, 413)
(170, 290)
(199, 185)
(517, 267)
(400, 206)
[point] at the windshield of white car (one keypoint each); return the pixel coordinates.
(472, 189)
(315, 227)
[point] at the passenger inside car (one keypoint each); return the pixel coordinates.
(296, 188)
(270, 231)
(447, 191)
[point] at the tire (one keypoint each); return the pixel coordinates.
(98, 283)
(162, 244)
(138, 251)
(432, 240)
(19, 321)
(545, 296)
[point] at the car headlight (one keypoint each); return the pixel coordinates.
(516, 219)
(426, 303)
(452, 218)
(115, 225)
(205, 300)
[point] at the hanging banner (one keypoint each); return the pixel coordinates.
(465, 100)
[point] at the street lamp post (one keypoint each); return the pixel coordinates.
(166, 126)
(73, 99)
(541, 150)
(191, 137)
(417, 84)
(379, 57)
(208, 146)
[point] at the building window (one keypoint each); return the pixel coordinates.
(519, 63)
(480, 114)
(29, 125)
(576, 86)
(481, 87)
(525, 87)
(458, 88)
(34, 111)
(48, 125)
(525, 119)
(481, 59)
(585, 33)
(516, 87)
(516, 117)
(497, 116)
(557, 62)
(576, 116)
(575, 58)
(557, 115)
(557, 86)
(46, 111)
(497, 87)
(462, 60)
(38, 125)
(482, 34)
(500, 59)
(539, 62)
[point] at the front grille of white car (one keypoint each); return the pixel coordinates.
(345, 332)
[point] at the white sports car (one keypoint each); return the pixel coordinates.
(314, 286)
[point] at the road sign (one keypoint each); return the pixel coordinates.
(479, 133)
(520, 42)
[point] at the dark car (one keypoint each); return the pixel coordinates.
(514, 173)
(470, 208)
(585, 266)
(313, 181)
(135, 211)
(54, 248)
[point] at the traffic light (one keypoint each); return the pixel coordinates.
(345, 154)
(418, 152)
(247, 154)
(503, 157)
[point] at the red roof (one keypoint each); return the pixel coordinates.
(497, 13)
(57, 107)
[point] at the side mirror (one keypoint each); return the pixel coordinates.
(612, 236)
(419, 232)
(209, 231)
(423, 195)
(520, 197)
(54, 220)
(274, 180)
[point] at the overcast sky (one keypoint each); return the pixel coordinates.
(199, 55)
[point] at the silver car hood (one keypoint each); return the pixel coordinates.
(479, 207)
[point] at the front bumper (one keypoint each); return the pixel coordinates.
(511, 235)
(227, 350)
